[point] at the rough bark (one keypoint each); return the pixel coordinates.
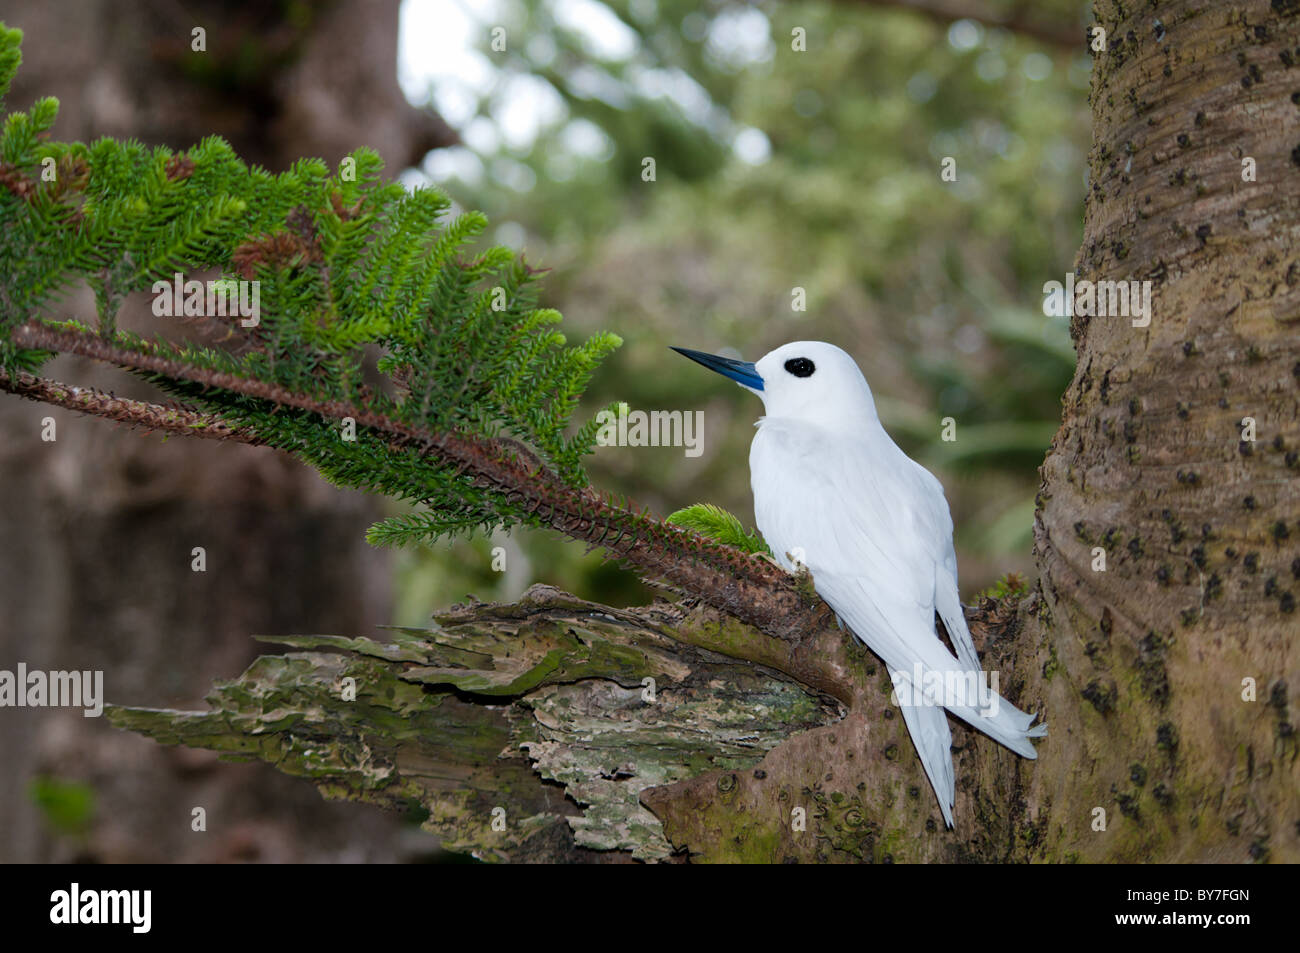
(1144, 669)
(480, 711)
(551, 712)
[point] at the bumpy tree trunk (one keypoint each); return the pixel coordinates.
(1158, 749)
(1145, 667)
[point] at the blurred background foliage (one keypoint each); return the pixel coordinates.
(775, 169)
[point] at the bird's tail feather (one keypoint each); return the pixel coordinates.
(928, 726)
(1007, 725)
(1010, 726)
(968, 695)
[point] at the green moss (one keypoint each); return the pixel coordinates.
(1010, 586)
(1053, 664)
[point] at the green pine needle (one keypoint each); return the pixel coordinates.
(717, 524)
(345, 265)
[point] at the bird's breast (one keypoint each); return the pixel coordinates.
(834, 504)
(797, 492)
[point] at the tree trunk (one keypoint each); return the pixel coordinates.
(1146, 664)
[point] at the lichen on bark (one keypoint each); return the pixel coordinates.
(550, 711)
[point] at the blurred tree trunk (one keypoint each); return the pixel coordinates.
(95, 566)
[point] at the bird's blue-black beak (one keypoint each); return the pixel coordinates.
(742, 372)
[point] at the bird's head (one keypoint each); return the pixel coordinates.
(803, 380)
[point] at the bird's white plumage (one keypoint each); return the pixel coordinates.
(872, 526)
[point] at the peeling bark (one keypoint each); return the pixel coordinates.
(539, 709)
(484, 709)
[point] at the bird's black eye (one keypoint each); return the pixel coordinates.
(800, 366)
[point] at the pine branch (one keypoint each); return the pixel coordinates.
(716, 523)
(750, 589)
(136, 413)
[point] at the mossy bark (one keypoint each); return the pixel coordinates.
(1153, 660)
(525, 732)
(554, 729)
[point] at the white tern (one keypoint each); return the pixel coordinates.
(832, 491)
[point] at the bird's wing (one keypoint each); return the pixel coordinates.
(947, 597)
(928, 727)
(868, 529)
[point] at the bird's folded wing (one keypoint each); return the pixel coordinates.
(872, 527)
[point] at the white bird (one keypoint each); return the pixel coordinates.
(832, 491)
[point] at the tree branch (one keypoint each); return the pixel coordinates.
(799, 636)
(587, 707)
(135, 413)
(1054, 34)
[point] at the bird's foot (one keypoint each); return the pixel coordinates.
(803, 581)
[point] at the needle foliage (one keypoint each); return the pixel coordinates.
(716, 523)
(371, 299)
